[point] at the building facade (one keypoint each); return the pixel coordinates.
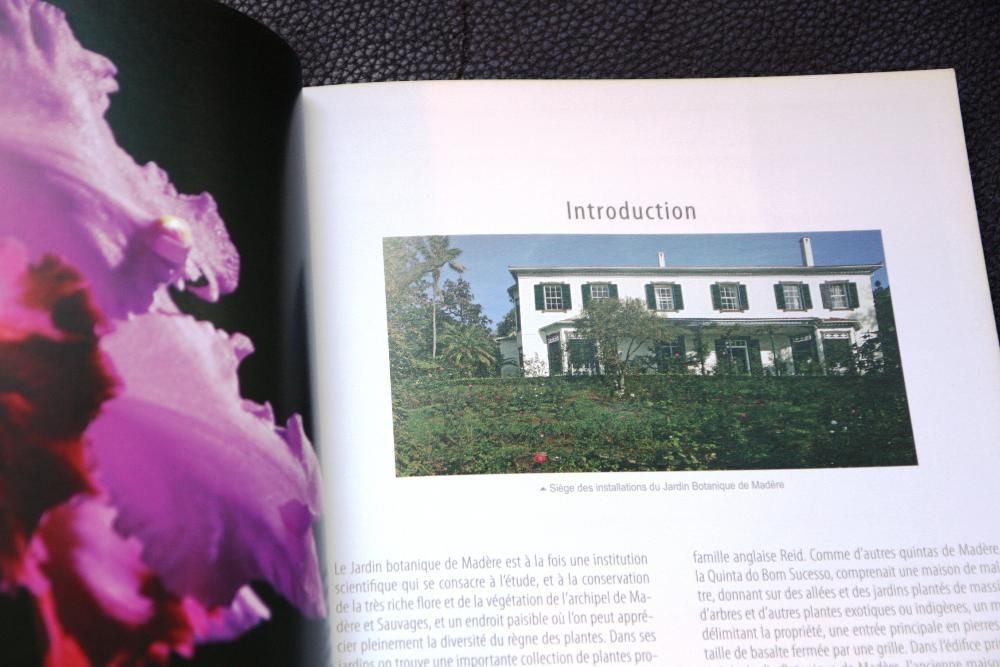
(778, 319)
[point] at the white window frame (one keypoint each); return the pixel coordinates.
(743, 346)
(729, 297)
(792, 293)
(672, 348)
(664, 297)
(600, 291)
(552, 297)
(839, 298)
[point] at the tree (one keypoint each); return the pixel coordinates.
(458, 305)
(622, 331)
(407, 304)
(436, 253)
(403, 263)
(421, 310)
(508, 324)
(468, 350)
(888, 342)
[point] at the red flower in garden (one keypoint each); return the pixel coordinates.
(540, 457)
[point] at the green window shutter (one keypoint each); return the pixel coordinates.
(852, 295)
(756, 364)
(650, 296)
(716, 299)
(567, 299)
(585, 291)
(539, 297)
(720, 351)
(613, 290)
(744, 301)
(555, 354)
(779, 296)
(680, 343)
(678, 297)
(824, 295)
(807, 301)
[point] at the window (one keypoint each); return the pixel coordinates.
(664, 296)
(792, 296)
(552, 296)
(838, 353)
(734, 354)
(582, 354)
(598, 291)
(670, 355)
(730, 297)
(841, 295)
(803, 354)
(838, 296)
(737, 355)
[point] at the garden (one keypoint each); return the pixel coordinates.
(664, 422)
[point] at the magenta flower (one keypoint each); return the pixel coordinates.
(99, 603)
(64, 179)
(46, 335)
(139, 493)
(218, 496)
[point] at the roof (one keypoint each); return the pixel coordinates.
(671, 271)
(714, 322)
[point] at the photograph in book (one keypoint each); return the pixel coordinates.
(158, 488)
(593, 353)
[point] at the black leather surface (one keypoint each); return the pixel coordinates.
(356, 40)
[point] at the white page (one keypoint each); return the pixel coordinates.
(812, 154)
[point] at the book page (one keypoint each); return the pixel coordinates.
(157, 483)
(687, 372)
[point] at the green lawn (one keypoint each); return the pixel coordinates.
(665, 422)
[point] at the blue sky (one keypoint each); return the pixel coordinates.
(487, 257)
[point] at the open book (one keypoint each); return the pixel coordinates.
(651, 372)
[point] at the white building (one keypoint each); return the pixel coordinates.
(775, 319)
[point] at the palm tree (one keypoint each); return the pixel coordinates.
(469, 349)
(436, 253)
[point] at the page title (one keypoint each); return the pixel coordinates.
(630, 211)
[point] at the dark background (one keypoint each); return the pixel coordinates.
(383, 40)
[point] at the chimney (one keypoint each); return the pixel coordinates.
(807, 251)
(661, 257)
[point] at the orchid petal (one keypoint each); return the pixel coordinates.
(99, 603)
(69, 190)
(218, 495)
(221, 624)
(46, 336)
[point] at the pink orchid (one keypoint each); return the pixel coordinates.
(139, 493)
(198, 485)
(46, 335)
(68, 189)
